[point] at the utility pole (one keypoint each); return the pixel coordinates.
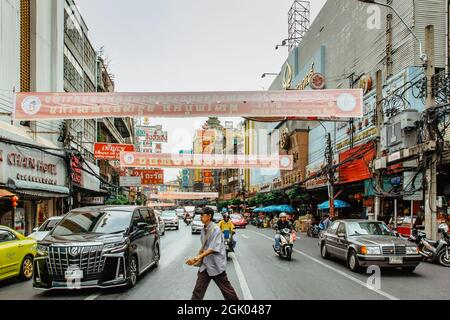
(430, 180)
(379, 123)
(329, 158)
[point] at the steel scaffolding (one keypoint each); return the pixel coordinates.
(298, 22)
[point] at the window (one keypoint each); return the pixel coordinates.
(341, 229)
(136, 218)
(148, 216)
(333, 227)
(6, 236)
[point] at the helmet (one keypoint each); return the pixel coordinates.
(226, 215)
(283, 214)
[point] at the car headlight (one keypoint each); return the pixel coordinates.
(370, 250)
(42, 249)
(412, 250)
(115, 247)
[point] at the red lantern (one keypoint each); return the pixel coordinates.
(14, 200)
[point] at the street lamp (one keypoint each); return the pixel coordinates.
(423, 56)
(269, 74)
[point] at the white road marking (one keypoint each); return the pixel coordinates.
(362, 283)
(244, 236)
(93, 296)
(242, 282)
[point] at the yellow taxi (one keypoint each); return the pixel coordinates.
(16, 254)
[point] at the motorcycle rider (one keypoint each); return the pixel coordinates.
(282, 223)
(226, 224)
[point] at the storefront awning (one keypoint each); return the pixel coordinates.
(37, 189)
(6, 193)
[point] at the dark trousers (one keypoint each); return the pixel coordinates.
(221, 281)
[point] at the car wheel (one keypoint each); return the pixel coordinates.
(177, 228)
(133, 272)
(324, 252)
(352, 262)
(408, 269)
(444, 259)
(26, 269)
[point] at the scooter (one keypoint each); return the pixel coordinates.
(188, 220)
(434, 251)
(228, 237)
(314, 230)
(288, 238)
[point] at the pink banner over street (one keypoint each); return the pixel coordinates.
(287, 103)
(204, 161)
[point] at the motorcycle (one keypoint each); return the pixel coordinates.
(188, 220)
(434, 251)
(228, 237)
(288, 238)
(314, 230)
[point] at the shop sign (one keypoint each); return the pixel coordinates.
(365, 83)
(357, 169)
(408, 185)
(336, 103)
(93, 200)
(110, 151)
(76, 175)
(149, 177)
(130, 181)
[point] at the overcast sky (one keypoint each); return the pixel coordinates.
(195, 45)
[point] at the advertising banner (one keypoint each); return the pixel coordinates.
(110, 151)
(149, 177)
(205, 161)
(343, 103)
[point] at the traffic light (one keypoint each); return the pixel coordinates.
(14, 201)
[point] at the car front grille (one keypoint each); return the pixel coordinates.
(86, 258)
(394, 250)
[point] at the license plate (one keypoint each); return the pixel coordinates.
(74, 274)
(395, 260)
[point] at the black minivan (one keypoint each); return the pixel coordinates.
(98, 247)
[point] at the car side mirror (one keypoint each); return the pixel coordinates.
(142, 225)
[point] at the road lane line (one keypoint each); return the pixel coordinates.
(362, 283)
(242, 282)
(93, 296)
(244, 236)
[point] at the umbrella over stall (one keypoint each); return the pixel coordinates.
(337, 204)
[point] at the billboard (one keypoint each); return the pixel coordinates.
(342, 103)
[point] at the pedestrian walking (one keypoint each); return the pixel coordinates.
(211, 260)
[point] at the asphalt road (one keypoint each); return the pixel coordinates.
(257, 273)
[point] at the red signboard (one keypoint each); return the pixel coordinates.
(76, 171)
(343, 103)
(110, 151)
(149, 177)
(358, 169)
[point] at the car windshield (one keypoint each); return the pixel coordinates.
(218, 215)
(49, 224)
(197, 217)
(189, 208)
(236, 216)
(169, 214)
(180, 210)
(104, 222)
(368, 228)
